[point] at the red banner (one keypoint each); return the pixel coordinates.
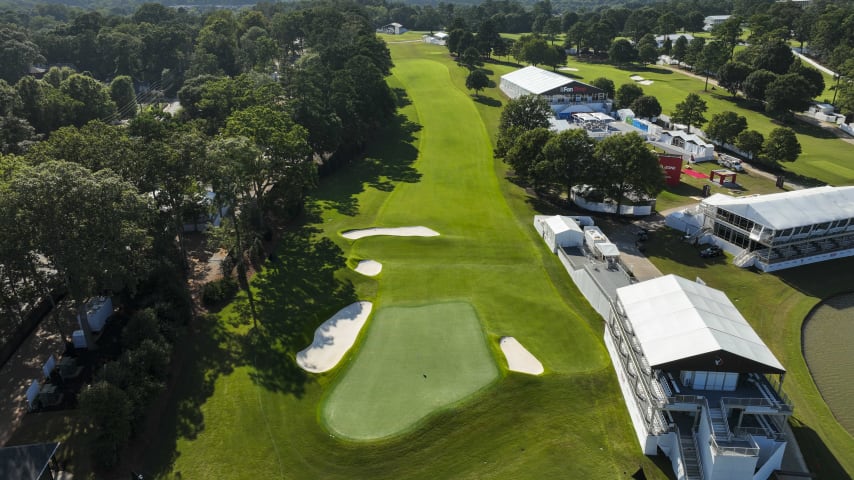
(672, 165)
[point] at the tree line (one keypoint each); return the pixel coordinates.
(90, 205)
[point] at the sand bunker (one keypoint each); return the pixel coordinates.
(397, 232)
(636, 78)
(334, 337)
(518, 358)
(646, 82)
(568, 69)
(371, 268)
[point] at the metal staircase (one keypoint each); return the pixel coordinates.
(719, 423)
(696, 235)
(744, 259)
(690, 458)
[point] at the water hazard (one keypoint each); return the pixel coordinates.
(828, 339)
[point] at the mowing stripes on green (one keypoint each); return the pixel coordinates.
(414, 362)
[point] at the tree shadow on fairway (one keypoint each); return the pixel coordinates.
(820, 460)
(387, 161)
(210, 352)
(488, 101)
(295, 293)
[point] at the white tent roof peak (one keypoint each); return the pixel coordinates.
(559, 224)
(536, 80)
(675, 319)
(791, 209)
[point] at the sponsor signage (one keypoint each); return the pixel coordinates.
(672, 166)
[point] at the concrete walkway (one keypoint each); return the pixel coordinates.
(814, 63)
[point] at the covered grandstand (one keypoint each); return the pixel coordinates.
(776, 231)
(699, 383)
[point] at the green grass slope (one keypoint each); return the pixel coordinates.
(245, 410)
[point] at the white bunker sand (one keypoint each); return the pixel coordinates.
(370, 268)
(334, 337)
(396, 232)
(518, 358)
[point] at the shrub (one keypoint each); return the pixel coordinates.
(110, 410)
(219, 291)
(142, 325)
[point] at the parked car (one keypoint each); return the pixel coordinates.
(713, 251)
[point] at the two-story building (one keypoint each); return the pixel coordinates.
(699, 384)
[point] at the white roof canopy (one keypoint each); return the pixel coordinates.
(791, 209)
(536, 80)
(675, 319)
(560, 224)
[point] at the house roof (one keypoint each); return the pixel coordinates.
(26, 462)
(676, 320)
(791, 209)
(689, 137)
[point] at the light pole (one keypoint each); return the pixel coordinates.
(836, 88)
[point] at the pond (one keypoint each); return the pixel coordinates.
(828, 337)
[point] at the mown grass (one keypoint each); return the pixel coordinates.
(414, 361)
(245, 411)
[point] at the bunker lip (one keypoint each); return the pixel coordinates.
(333, 338)
(519, 359)
(370, 268)
(391, 231)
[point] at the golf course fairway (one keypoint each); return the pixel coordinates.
(424, 392)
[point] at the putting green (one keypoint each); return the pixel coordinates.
(415, 361)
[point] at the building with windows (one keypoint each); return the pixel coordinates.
(776, 231)
(699, 383)
(392, 29)
(712, 21)
(564, 94)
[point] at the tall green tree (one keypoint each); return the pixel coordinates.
(569, 155)
(622, 52)
(750, 142)
(604, 84)
(680, 48)
(526, 157)
(728, 33)
(756, 84)
(123, 95)
(732, 75)
(477, 81)
(787, 93)
(690, 111)
(17, 53)
(627, 94)
(625, 168)
(520, 115)
(724, 127)
(646, 106)
(96, 241)
(781, 146)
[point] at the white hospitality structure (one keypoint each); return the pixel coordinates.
(565, 95)
(776, 231)
(687, 143)
(699, 383)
